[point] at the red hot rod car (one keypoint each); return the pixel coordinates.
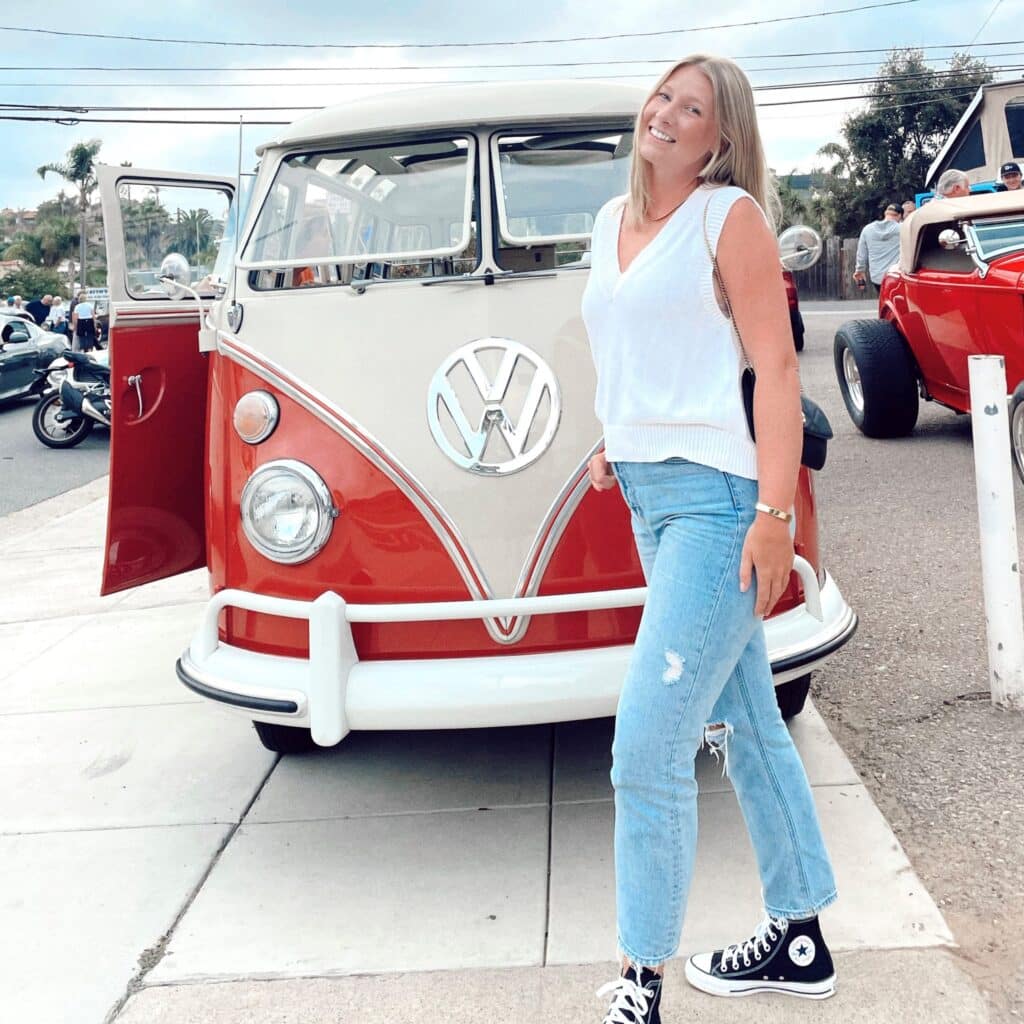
(956, 292)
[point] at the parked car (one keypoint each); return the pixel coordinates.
(956, 292)
(795, 318)
(25, 348)
(393, 403)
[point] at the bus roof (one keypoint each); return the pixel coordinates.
(443, 106)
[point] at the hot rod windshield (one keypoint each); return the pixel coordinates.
(373, 206)
(995, 238)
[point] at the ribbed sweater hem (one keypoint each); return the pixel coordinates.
(656, 442)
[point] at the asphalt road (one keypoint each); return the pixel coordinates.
(31, 472)
(907, 697)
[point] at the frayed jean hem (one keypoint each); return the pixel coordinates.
(649, 962)
(792, 915)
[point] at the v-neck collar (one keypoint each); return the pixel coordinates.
(619, 272)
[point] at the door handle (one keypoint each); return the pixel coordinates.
(135, 380)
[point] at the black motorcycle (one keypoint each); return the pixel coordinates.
(73, 403)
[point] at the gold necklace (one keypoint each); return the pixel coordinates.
(664, 216)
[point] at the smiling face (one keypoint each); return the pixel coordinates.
(679, 127)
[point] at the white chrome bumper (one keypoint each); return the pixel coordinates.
(333, 692)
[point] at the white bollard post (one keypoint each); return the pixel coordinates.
(1000, 568)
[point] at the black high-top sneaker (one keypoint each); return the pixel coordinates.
(635, 997)
(782, 956)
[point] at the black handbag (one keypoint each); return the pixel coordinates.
(817, 429)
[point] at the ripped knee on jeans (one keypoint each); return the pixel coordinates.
(716, 738)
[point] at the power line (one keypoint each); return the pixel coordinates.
(466, 67)
(234, 123)
(525, 64)
(987, 20)
(80, 107)
(773, 87)
(440, 46)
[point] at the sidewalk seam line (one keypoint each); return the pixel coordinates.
(551, 843)
(135, 983)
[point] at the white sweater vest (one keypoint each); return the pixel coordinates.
(668, 365)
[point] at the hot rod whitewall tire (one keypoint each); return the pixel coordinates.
(55, 435)
(877, 378)
(792, 695)
(1017, 430)
(284, 739)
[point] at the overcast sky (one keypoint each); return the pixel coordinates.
(320, 77)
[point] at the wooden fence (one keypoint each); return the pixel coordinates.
(832, 276)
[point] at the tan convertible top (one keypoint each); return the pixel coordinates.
(983, 204)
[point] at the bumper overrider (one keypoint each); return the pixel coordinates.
(332, 692)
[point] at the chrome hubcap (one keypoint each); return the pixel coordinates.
(53, 426)
(853, 385)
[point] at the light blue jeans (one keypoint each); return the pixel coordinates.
(700, 658)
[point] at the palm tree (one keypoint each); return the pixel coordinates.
(79, 168)
(194, 232)
(26, 247)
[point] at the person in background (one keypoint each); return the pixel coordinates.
(57, 321)
(909, 206)
(39, 309)
(1009, 176)
(952, 184)
(878, 248)
(83, 325)
(314, 241)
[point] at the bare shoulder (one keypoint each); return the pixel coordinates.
(746, 236)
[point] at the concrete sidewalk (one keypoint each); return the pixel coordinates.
(159, 866)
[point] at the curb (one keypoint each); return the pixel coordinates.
(18, 525)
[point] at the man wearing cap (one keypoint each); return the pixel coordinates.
(878, 247)
(1009, 175)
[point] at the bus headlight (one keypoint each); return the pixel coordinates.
(287, 511)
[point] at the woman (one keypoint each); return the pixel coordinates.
(711, 515)
(83, 325)
(57, 320)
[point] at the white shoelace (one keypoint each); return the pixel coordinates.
(629, 996)
(767, 931)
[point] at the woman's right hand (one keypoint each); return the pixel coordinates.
(601, 476)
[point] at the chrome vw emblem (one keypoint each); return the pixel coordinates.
(493, 406)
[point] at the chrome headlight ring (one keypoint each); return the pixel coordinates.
(287, 511)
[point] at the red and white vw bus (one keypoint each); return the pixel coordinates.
(378, 443)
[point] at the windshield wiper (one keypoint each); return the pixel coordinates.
(490, 277)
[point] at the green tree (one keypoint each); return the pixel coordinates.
(146, 223)
(32, 282)
(794, 210)
(193, 232)
(26, 247)
(889, 145)
(58, 238)
(79, 168)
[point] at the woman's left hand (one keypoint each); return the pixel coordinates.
(768, 552)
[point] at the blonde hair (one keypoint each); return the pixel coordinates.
(738, 158)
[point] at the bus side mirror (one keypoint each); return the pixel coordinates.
(799, 247)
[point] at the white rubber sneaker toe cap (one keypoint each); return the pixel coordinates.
(702, 962)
